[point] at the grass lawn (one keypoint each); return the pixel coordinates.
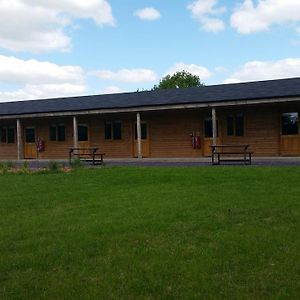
(151, 233)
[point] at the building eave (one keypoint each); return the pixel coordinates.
(136, 109)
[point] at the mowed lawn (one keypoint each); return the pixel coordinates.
(151, 233)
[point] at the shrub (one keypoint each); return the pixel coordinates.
(54, 166)
(10, 164)
(25, 167)
(3, 168)
(76, 163)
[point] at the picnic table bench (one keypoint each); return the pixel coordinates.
(88, 154)
(231, 153)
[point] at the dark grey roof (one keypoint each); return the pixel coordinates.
(206, 94)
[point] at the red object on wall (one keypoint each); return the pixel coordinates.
(40, 145)
(196, 141)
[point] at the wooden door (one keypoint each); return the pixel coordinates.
(290, 145)
(83, 137)
(208, 136)
(289, 138)
(30, 151)
(145, 140)
(289, 135)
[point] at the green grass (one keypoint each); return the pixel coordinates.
(151, 233)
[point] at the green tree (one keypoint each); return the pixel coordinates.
(182, 79)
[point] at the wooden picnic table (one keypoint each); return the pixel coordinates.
(86, 154)
(226, 152)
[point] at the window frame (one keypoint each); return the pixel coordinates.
(209, 119)
(234, 117)
(143, 137)
(6, 130)
(281, 124)
(112, 123)
(56, 128)
(88, 132)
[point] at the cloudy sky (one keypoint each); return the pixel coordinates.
(74, 47)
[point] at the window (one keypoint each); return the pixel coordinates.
(3, 132)
(11, 135)
(52, 133)
(239, 125)
(235, 125)
(113, 130)
(208, 131)
(83, 133)
(30, 135)
(7, 135)
(230, 125)
(117, 130)
(208, 128)
(289, 123)
(61, 135)
(57, 133)
(144, 131)
(108, 133)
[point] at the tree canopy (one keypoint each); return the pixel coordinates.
(181, 79)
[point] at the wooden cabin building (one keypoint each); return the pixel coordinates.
(159, 124)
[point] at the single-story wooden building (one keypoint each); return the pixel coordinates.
(161, 123)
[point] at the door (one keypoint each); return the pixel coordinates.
(145, 140)
(83, 138)
(30, 151)
(289, 138)
(208, 136)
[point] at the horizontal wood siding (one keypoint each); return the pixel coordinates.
(9, 151)
(112, 148)
(170, 133)
(53, 149)
(262, 129)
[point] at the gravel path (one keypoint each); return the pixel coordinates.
(276, 161)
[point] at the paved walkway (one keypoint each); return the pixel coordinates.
(173, 162)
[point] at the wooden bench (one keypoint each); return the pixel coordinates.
(88, 154)
(231, 153)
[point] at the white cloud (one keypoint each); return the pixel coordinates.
(39, 79)
(38, 25)
(206, 12)
(200, 71)
(220, 69)
(148, 14)
(111, 90)
(249, 18)
(127, 75)
(264, 70)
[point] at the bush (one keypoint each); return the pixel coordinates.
(3, 168)
(54, 166)
(10, 164)
(25, 167)
(76, 163)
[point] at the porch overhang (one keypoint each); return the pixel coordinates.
(137, 109)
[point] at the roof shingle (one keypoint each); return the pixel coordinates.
(206, 94)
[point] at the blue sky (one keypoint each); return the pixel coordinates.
(74, 47)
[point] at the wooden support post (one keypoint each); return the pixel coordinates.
(19, 140)
(139, 135)
(214, 126)
(75, 132)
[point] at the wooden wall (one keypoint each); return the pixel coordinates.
(8, 151)
(169, 132)
(262, 130)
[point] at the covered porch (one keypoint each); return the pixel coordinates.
(270, 129)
